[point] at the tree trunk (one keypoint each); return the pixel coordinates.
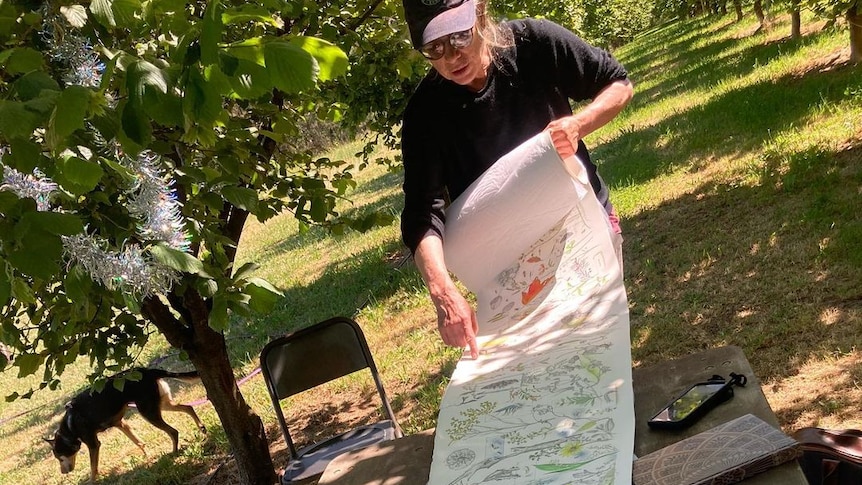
(737, 5)
(795, 20)
(761, 17)
(207, 350)
(244, 428)
(854, 23)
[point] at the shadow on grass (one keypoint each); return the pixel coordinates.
(738, 121)
(388, 204)
(344, 288)
(707, 65)
(776, 268)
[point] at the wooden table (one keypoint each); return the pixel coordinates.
(656, 385)
(407, 461)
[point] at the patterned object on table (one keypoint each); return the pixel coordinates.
(728, 453)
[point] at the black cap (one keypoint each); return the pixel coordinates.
(432, 19)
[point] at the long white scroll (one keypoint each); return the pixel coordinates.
(550, 399)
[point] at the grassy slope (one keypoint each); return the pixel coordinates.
(737, 171)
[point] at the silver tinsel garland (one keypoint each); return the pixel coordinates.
(155, 203)
(36, 186)
(72, 51)
(130, 270)
(150, 199)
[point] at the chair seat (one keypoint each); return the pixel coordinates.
(314, 458)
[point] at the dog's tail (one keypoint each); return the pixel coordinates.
(183, 376)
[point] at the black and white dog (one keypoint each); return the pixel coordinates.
(90, 413)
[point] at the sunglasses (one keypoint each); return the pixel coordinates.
(436, 48)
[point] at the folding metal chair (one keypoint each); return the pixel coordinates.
(312, 356)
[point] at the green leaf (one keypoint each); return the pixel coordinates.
(101, 9)
(38, 255)
(211, 30)
(250, 13)
(76, 15)
(244, 198)
(43, 105)
(245, 271)
(115, 13)
(227, 63)
(31, 85)
(331, 60)
(78, 176)
(142, 74)
(292, 69)
(218, 318)
(5, 284)
(24, 155)
(132, 303)
(249, 49)
(553, 468)
(404, 67)
(135, 124)
(16, 121)
(78, 284)
(28, 364)
(125, 11)
(69, 115)
(164, 109)
(202, 104)
(176, 259)
(22, 292)
(320, 207)
(55, 223)
(23, 60)
(250, 81)
(119, 384)
(263, 296)
(8, 19)
(10, 202)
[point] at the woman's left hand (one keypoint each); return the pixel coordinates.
(565, 133)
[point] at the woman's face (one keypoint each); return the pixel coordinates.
(468, 66)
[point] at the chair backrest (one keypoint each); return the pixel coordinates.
(313, 356)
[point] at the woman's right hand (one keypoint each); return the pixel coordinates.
(456, 320)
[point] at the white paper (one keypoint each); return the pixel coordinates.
(550, 399)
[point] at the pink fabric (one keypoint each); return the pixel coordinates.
(615, 221)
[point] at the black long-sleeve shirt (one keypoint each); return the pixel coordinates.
(451, 135)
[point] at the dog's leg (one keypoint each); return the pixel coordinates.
(184, 408)
(152, 412)
(156, 420)
(93, 447)
(127, 430)
(167, 404)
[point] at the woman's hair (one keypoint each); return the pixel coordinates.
(496, 36)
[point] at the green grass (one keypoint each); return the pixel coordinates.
(737, 169)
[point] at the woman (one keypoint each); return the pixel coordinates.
(491, 87)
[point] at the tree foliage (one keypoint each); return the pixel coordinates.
(604, 23)
(213, 94)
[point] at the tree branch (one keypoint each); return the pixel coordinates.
(361, 20)
(160, 315)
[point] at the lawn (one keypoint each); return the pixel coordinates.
(737, 169)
